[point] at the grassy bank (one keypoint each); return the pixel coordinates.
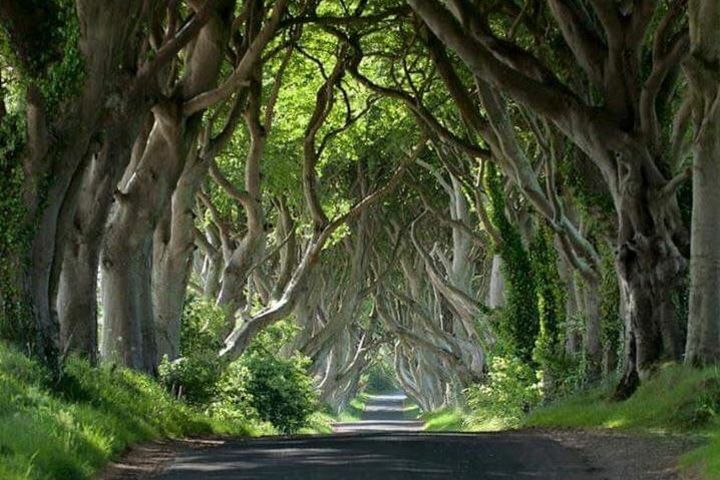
(69, 429)
(677, 399)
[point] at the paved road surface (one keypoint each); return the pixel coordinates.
(373, 450)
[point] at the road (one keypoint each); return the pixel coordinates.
(384, 445)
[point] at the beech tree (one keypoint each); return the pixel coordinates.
(703, 345)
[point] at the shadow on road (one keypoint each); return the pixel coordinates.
(384, 456)
(384, 444)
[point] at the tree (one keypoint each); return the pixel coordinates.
(703, 343)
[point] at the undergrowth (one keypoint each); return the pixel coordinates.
(69, 429)
(677, 400)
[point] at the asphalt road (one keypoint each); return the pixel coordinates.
(384, 445)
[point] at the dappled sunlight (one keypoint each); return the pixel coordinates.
(360, 222)
(404, 456)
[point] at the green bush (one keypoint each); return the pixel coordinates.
(280, 390)
(266, 383)
(511, 391)
(263, 386)
(195, 375)
(232, 399)
(193, 379)
(259, 386)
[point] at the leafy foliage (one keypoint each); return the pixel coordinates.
(511, 391)
(380, 378)
(280, 390)
(559, 369)
(262, 385)
(611, 323)
(194, 376)
(520, 323)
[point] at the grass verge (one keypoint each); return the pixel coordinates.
(444, 420)
(69, 429)
(354, 411)
(677, 399)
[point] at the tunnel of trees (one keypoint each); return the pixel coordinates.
(443, 187)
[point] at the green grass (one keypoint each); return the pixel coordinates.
(454, 419)
(678, 399)
(444, 420)
(69, 430)
(319, 422)
(411, 410)
(354, 411)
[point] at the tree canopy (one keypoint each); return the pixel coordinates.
(428, 184)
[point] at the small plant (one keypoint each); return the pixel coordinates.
(702, 409)
(193, 379)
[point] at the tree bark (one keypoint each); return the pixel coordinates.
(126, 264)
(703, 69)
(54, 164)
(173, 247)
(496, 295)
(78, 283)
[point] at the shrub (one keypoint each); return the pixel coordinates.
(193, 379)
(263, 386)
(511, 391)
(195, 375)
(280, 390)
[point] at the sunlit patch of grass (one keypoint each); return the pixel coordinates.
(354, 410)
(488, 425)
(69, 430)
(706, 459)
(444, 420)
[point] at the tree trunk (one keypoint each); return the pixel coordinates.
(173, 247)
(128, 335)
(55, 162)
(126, 262)
(78, 285)
(496, 295)
(593, 349)
(703, 342)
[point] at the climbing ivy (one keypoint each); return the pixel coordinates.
(549, 352)
(611, 324)
(519, 324)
